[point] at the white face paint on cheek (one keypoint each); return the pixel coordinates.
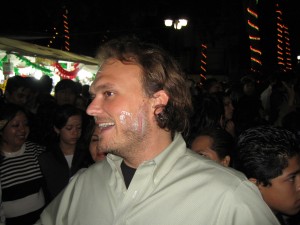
(124, 116)
(140, 123)
(134, 124)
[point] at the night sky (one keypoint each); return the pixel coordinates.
(92, 22)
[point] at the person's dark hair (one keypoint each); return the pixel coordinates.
(247, 79)
(208, 112)
(65, 84)
(262, 152)
(208, 83)
(14, 83)
(223, 142)
(160, 72)
(63, 113)
(291, 122)
(32, 84)
(46, 84)
(8, 111)
(85, 90)
(235, 91)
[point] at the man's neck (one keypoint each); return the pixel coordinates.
(149, 149)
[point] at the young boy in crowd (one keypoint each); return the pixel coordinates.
(269, 156)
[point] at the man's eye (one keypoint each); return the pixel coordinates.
(108, 93)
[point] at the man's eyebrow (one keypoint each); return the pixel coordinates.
(103, 87)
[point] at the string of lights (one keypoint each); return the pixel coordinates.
(63, 34)
(283, 42)
(203, 60)
(66, 31)
(254, 37)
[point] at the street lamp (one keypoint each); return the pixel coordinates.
(177, 24)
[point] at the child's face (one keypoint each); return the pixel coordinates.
(284, 194)
(203, 146)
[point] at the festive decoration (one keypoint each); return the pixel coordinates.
(3, 85)
(66, 31)
(8, 68)
(64, 74)
(65, 34)
(283, 43)
(33, 65)
(53, 37)
(203, 60)
(4, 60)
(60, 70)
(254, 37)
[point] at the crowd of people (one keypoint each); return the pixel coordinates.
(44, 141)
(146, 146)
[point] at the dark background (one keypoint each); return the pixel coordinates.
(221, 24)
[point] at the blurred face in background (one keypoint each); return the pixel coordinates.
(19, 97)
(228, 108)
(249, 88)
(96, 155)
(71, 132)
(203, 146)
(15, 133)
(65, 96)
(215, 88)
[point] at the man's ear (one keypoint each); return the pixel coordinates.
(160, 98)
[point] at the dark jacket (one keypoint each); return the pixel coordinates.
(56, 171)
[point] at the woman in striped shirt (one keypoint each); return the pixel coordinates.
(20, 174)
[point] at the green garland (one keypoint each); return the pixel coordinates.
(28, 63)
(33, 65)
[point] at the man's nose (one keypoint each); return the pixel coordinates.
(94, 108)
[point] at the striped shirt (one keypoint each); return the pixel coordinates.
(21, 182)
(2, 217)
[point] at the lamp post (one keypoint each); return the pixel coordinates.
(176, 39)
(177, 24)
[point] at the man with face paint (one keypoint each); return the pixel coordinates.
(141, 105)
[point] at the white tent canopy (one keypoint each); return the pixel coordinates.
(33, 60)
(24, 48)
